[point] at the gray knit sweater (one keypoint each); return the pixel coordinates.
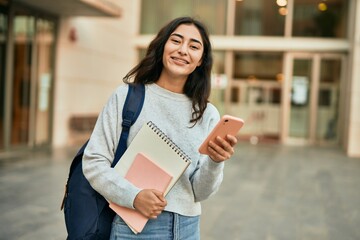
(171, 112)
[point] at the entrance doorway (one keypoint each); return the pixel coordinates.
(313, 86)
(32, 80)
(28, 80)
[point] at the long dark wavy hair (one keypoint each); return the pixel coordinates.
(198, 84)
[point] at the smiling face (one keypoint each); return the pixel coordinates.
(183, 52)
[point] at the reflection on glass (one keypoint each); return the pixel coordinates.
(44, 80)
(328, 100)
(275, 95)
(23, 29)
(300, 95)
(218, 62)
(235, 95)
(258, 65)
(156, 13)
(3, 30)
(320, 18)
(260, 18)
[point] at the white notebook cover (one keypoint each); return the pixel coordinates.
(159, 148)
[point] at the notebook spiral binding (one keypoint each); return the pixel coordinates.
(168, 141)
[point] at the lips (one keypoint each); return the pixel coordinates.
(180, 60)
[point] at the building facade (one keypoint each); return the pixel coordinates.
(287, 67)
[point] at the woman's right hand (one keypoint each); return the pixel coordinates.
(150, 203)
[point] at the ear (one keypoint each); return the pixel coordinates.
(199, 63)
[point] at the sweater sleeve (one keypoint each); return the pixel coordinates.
(208, 175)
(100, 152)
(207, 178)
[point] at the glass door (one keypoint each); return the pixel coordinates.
(314, 97)
(24, 29)
(327, 114)
(45, 32)
(300, 98)
(32, 80)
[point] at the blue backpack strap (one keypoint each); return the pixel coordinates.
(132, 107)
(131, 110)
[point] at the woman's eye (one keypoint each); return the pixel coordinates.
(175, 40)
(194, 47)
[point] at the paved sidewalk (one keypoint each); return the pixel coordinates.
(270, 192)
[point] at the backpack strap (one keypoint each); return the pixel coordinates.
(132, 107)
(131, 110)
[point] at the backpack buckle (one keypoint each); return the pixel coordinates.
(126, 123)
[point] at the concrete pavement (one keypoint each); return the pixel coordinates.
(270, 192)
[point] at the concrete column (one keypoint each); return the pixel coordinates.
(352, 141)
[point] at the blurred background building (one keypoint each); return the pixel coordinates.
(290, 68)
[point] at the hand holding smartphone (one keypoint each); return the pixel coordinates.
(227, 125)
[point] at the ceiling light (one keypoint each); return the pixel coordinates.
(283, 11)
(322, 7)
(281, 3)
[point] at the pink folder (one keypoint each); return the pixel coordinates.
(144, 174)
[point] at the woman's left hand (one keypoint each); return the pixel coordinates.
(222, 149)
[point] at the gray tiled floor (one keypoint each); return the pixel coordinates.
(270, 192)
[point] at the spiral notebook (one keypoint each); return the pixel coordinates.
(154, 143)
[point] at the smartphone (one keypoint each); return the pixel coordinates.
(227, 125)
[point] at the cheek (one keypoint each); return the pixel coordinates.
(165, 53)
(164, 58)
(199, 60)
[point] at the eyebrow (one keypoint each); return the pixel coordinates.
(182, 37)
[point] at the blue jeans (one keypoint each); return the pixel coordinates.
(167, 226)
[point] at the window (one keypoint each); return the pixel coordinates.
(320, 18)
(258, 65)
(156, 13)
(255, 93)
(259, 18)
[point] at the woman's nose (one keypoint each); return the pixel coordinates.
(182, 49)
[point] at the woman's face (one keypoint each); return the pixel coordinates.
(183, 51)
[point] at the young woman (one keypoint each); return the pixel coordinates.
(176, 73)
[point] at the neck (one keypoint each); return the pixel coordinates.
(175, 85)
